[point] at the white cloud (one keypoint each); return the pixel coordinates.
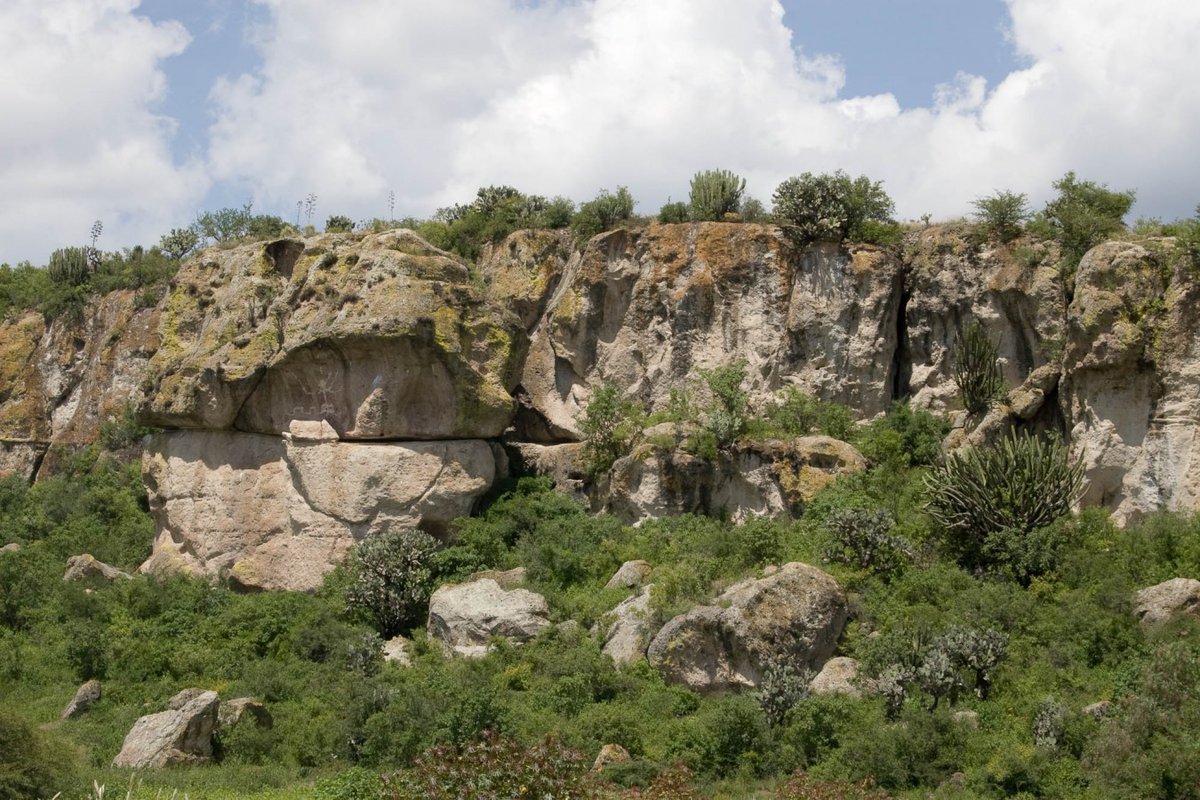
(434, 99)
(79, 140)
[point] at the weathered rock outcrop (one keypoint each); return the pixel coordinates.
(380, 336)
(838, 676)
(270, 512)
(1131, 379)
(628, 629)
(180, 735)
(86, 696)
(770, 479)
(85, 567)
(465, 617)
(795, 614)
(60, 382)
(646, 308)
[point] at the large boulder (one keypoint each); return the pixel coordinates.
(837, 676)
(465, 617)
(627, 629)
(795, 614)
(382, 336)
(86, 567)
(270, 512)
(1164, 601)
(180, 735)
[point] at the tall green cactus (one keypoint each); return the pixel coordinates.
(69, 265)
(976, 371)
(715, 193)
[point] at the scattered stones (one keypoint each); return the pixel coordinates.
(1159, 603)
(797, 614)
(465, 617)
(85, 567)
(85, 697)
(180, 735)
(631, 575)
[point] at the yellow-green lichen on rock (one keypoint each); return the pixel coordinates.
(381, 336)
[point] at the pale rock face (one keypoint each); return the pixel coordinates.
(1131, 387)
(505, 579)
(631, 575)
(271, 513)
(465, 617)
(176, 736)
(396, 650)
(233, 711)
(610, 754)
(645, 309)
(1161, 602)
(628, 629)
(797, 614)
(951, 283)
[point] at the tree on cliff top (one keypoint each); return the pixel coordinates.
(834, 207)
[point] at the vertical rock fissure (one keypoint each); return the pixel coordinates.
(901, 371)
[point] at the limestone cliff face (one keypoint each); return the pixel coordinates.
(316, 391)
(646, 309)
(59, 382)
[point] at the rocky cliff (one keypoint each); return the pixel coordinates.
(314, 391)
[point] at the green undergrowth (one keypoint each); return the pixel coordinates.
(1069, 640)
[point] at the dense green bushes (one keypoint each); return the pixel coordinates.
(836, 207)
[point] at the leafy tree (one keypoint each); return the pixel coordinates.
(715, 193)
(1083, 215)
(1002, 214)
(833, 206)
(864, 539)
(392, 578)
(223, 225)
(179, 242)
(339, 224)
(610, 424)
(752, 210)
(605, 212)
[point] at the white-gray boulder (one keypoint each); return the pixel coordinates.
(1161, 602)
(796, 614)
(465, 617)
(180, 735)
(628, 629)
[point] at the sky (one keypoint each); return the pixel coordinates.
(144, 114)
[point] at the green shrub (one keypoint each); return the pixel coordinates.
(728, 411)
(339, 224)
(864, 539)
(903, 437)
(715, 193)
(992, 500)
(607, 211)
(674, 212)
(69, 266)
(1002, 215)
(355, 783)
(493, 767)
(833, 207)
(28, 766)
(392, 578)
(976, 369)
(1082, 216)
(752, 210)
(797, 413)
(611, 425)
